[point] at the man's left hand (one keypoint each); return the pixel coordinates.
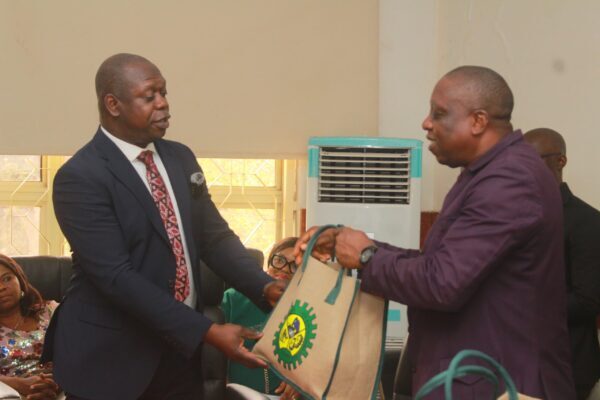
(349, 244)
(273, 291)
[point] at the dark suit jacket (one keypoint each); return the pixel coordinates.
(119, 315)
(582, 256)
(490, 278)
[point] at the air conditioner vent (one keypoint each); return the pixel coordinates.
(364, 175)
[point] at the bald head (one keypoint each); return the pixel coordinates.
(486, 90)
(546, 141)
(470, 111)
(132, 98)
(551, 146)
(111, 77)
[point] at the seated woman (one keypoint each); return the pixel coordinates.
(24, 317)
(239, 310)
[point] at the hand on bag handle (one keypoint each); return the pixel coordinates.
(329, 241)
(318, 241)
(229, 338)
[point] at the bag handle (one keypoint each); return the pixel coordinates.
(456, 371)
(335, 291)
(313, 241)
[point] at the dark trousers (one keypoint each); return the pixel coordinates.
(176, 378)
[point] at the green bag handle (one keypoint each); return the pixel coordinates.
(456, 371)
(333, 294)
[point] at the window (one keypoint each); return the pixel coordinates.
(250, 195)
(20, 168)
(256, 197)
(23, 233)
(28, 226)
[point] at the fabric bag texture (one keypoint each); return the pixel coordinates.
(325, 337)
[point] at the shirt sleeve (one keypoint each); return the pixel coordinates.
(498, 212)
(400, 252)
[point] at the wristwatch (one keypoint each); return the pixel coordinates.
(367, 254)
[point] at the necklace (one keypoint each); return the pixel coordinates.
(18, 324)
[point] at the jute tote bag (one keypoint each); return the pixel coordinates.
(325, 337)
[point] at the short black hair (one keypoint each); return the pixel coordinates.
(490, 90)
(549, 137)
(110, 77)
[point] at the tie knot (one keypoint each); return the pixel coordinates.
(146, 157)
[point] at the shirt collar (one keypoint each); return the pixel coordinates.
(131, 151)
(494, 151)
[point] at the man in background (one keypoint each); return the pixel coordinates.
(582, 259)
(136, 212)
(491, 273)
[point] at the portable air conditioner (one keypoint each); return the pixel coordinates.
(372, 184)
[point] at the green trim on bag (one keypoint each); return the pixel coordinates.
(310, 245)
(459, 372)
(337, 353)
(335, 292)
(292, 384)
(381, 353)
(454, 371)
(312, 241)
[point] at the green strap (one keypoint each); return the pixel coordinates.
(456, 371)
(464, 370)
(312, 242)
(335, 291)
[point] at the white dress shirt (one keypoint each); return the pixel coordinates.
(132, 151)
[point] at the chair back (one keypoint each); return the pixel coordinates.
(49, 275)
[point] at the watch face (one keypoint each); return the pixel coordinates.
(366, 255)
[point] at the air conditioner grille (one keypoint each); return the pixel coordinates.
(364, 175)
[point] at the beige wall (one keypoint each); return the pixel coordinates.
(245, 78)
(548, 50)
(255, 78)
(407, 68)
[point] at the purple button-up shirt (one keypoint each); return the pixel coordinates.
(491, 277)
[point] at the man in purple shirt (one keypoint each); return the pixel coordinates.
(491, 274)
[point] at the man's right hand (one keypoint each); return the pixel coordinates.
(229, 339)
(323, 248)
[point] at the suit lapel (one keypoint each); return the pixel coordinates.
(181, 187)
(123, 171)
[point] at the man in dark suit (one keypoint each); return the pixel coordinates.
(491, 274)
(582, 258)
(137, 215)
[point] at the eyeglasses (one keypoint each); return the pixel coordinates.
(550, 155)
(279, 262)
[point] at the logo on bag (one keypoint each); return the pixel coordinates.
(295, 335)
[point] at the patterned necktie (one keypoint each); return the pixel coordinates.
(169, 218)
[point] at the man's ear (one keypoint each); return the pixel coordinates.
(480, 122)
(562, 161)
(112, 104)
